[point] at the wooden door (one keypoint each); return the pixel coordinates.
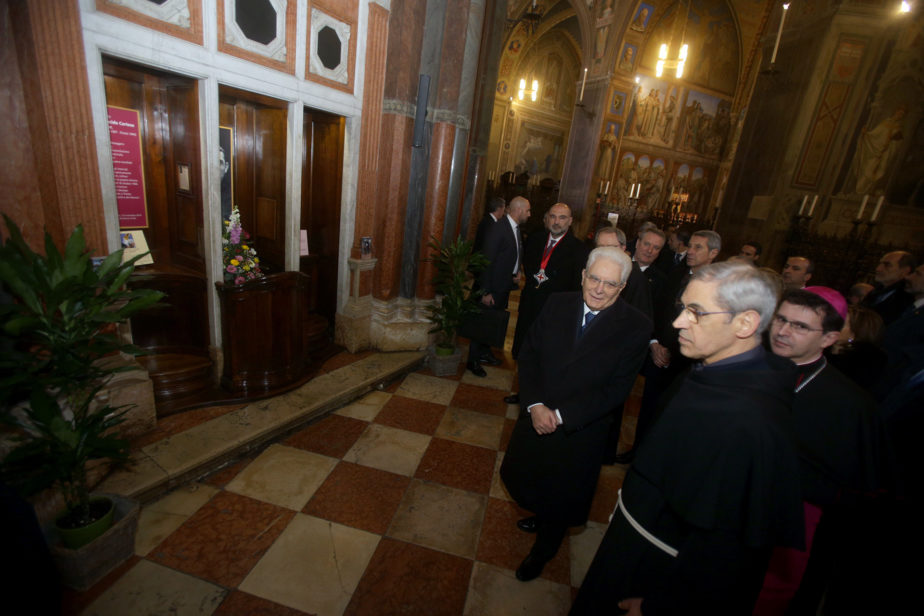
(322, 168)
(259, 127)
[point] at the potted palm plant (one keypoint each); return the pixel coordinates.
(456, 299)
(59, 346)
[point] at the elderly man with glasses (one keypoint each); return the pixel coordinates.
(578, 362)
(715, 486)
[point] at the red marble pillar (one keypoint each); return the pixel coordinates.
(55, 89)
(369, 140)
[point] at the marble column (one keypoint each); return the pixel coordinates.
(55, 90)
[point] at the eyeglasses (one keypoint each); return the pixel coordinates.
(694, 315)
(797, 327)
(610, 285)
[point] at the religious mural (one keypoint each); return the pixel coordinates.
(705, 124)
(538, 151)
(713, 44)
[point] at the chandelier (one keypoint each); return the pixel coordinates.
(530, 18)
(680, 60)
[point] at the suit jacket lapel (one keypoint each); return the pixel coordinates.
(599, 332)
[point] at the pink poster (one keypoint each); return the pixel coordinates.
(125, 135)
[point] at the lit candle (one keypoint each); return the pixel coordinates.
(600, 190)
(606, 190)
(802, 207)
(812, 208)
(779, 33)
(876, 211)
(862, 206)
(638, 190)
(583, 83)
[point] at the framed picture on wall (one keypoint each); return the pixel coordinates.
(182, 178)
(618, 103)
(226, 167)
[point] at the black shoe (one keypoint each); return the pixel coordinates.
(528, 525)
(512, 399)
(490, 360)
(625, 457)
(530, 568)
(476, 369)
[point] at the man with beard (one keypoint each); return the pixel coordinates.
(714, 486)
(577, 364)
(552, 262)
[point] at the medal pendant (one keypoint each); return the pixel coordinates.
(540, 277)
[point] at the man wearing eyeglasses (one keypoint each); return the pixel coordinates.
(837, 430)
(714, 486)
(578, 362)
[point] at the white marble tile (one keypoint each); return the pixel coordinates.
(497, 592)
(439, 517)
(165, 515)
(389, 449)
(471, 427)
(497, 378)
(313, 566)
(429, 388)
(583, 547)
(149, 588)
(367, 407)
(284, 476)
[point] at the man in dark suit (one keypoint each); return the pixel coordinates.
(889, 298)
(552, 262)
(503, 247)
(715, 486)
(494, 211)
(578, 363)
(636, 294)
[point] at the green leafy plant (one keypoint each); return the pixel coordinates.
(453, 262)
(59, 347)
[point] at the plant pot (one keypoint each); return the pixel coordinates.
(444, 365)
(78, 537)
(83, 567)
(444, 350)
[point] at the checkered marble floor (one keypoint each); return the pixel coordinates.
(390, 505)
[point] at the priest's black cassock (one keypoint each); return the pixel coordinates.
(717, 480)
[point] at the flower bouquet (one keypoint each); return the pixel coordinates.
(240, 258)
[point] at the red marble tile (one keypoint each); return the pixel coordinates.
(394, 385)
(239, 603)
(506, 433)
(73, 602)
(224, 539)
(458, 465)
(408, 579)
(632, 405)
(481, 399)
(411, 414)
(359, 496)
(504, 545)
(223, 476)
(342, 359)
(605, 498)
(332, 436)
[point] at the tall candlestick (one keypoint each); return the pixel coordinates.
(583, 83)
(600, 191)
(606, 190)
(638, 190)
(779, 33)
(802, 207)
(876, 211)
(862, 206)
(812, 208)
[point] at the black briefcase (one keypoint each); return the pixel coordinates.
(487, 326)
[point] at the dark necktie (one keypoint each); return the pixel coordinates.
(587, 319)
(548, 249)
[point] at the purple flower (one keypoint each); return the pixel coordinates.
(230, 269)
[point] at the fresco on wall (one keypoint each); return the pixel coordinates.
(705, 123)
(654, 111)
(692, 181)
(646, 169)
(627, 58)
(608, 143)
(642, 15)
(538, 151)
(713, 60)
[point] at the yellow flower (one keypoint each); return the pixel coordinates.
(244, 246)
(256, 259)
(246, 268)
(235, 262)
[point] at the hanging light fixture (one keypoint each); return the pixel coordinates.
(664, 50)
(522, 92)
(530, 18)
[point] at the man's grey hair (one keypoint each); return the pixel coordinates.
(646, 226)
(620, 235)
(713, 239)
(654, 231)
(742, 287)
(617, 256)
